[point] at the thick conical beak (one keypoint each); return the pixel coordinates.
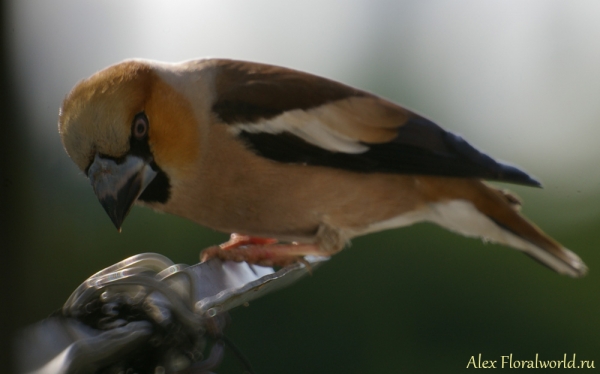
(118, 185)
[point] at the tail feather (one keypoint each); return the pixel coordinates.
(493, 215)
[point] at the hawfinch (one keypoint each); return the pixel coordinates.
(295, 164)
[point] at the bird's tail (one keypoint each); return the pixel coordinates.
(473, 208)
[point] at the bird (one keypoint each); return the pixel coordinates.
(287, 162)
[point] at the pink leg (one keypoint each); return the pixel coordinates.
(237, 240)
(260, 251)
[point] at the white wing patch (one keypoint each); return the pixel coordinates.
(305, 126)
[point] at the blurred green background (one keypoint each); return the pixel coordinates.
(519, 79)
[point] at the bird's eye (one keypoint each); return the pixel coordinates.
(140, 126)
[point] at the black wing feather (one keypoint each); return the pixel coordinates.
(251, 92)
(421, 147)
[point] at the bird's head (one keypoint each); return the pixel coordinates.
(131, 133)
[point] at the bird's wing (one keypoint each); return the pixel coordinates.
(294, 117)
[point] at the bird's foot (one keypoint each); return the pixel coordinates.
(260, 251)
(237, 240)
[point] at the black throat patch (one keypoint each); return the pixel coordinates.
(159, 190)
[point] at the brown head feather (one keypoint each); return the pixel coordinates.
(97, 115)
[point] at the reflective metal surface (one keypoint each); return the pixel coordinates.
(148, 315)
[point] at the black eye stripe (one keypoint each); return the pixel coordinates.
(140, 126)
(138, 142)
(159, 190)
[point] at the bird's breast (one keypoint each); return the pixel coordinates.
(234, 190)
